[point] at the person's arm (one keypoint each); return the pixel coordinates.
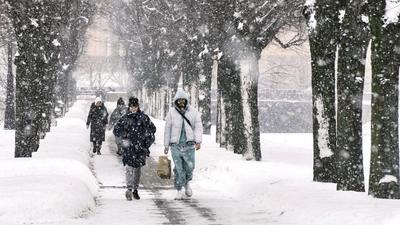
(105, 121)
(150, 130)
(113, 118)
(89, 118)
(118, 128)
(198, 130)
(167, 132)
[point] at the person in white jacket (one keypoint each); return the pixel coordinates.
(183, 133)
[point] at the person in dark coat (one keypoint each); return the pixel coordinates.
(117, 114)
(97, 120)
(137, 133)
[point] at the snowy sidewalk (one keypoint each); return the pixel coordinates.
(112, 207)
(156, 205)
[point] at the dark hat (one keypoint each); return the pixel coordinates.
(120, 101)
(133, 102)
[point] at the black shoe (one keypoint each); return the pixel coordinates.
(135, 194)
(94, 150)
(98, 153)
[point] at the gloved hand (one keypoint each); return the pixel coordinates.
(166, 148)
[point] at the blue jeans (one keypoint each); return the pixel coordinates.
(183, 157)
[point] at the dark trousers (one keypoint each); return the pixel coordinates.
(96, 146)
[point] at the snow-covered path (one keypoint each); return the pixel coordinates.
(112, 206)
(156, 205)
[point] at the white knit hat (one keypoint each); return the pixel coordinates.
(98, 99)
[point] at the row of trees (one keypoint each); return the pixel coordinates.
(168, 39)
(341, 31)
(49, 36)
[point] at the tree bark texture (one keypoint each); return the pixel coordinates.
(9, 115)
(323, 44)
(353, 46)
(384, 169)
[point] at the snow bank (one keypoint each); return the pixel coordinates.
(43, 190)
(56, 183)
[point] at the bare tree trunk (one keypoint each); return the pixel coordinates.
(323, 53)
(218, 131)
(384, 169)
(249, 82)
(205, 93)
(194, 94)
(223, 106)
(233, 106)
(9, 120)
(350, 83)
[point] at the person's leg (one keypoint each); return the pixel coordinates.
(180, 177)
(136, 181)
(129, 175)
(188, 164)
(94, 146)
(99, 147)
(118, 141)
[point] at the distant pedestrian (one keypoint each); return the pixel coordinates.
(137, 133)
(117, 114)
(97, 119)
(183, 133)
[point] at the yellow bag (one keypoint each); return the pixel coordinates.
(164, 167)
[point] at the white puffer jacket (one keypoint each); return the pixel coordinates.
(174, 120)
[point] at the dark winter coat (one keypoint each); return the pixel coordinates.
(97, 119)
(137, 132)
(117, 114)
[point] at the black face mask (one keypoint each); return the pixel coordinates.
(181, 104)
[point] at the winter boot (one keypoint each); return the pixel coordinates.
(98, 152)
(128, 194)
(180, 195)
(119, 152)
(188, 190)
(136, 194)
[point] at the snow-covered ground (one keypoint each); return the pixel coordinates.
(64, 184)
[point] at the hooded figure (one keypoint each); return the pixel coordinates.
(117, 114)
(137, 133)
(97, 119)
(183, 133)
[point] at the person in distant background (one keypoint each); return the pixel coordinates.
(137, 133)
(117, 114)
(97, 120)
(183, 133)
